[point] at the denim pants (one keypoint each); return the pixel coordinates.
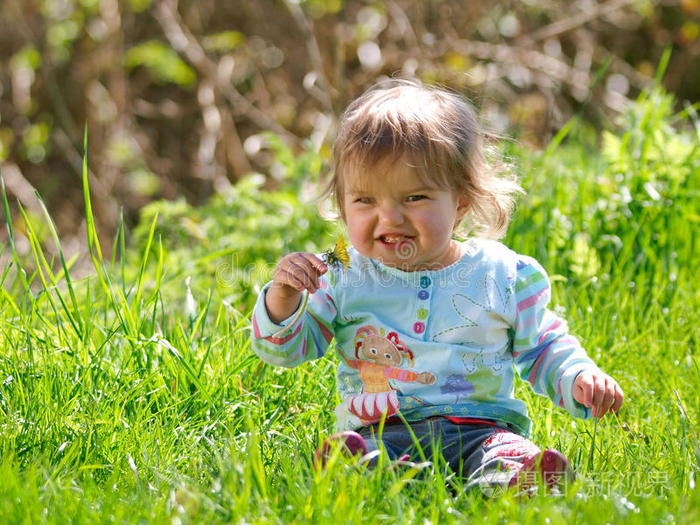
(482, 454)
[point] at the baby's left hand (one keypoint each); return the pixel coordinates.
(598, 391)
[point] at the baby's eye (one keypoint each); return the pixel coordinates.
(387, 357)
(364, 200)
(414, 198)
(373, 351)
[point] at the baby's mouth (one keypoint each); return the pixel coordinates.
(393, 240)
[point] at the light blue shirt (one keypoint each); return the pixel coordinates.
(426, 343)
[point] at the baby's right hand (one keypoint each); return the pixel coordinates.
(294, 273)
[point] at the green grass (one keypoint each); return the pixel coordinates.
(132, 395)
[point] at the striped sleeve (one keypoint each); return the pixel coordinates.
(544, 353)
(305, 340)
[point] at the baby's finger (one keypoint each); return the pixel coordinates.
(315, 266)
(583, 391)
(317, 263)
(304, 274)
(287, 278)
(619, 398)
(608, 398)
(289, 267)
(598, 395)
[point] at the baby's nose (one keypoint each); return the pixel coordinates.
(391, 214)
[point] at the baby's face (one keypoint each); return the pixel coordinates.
(381, 351)
(395, 218)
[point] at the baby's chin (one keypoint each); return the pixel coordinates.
(408, 266)
(413, 264)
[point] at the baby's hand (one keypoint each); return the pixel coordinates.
(297, 272)
(598, 391)
(294, 273)
(425, 378)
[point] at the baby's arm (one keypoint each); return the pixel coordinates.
(548, 356)
(307, 336)
(598, 391)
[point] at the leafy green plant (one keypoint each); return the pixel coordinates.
(595, 210)
(162, 61)
(232, 243)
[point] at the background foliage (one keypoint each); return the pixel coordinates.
(179, 96)
(129, 393)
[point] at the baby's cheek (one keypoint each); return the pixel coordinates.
(354, 235)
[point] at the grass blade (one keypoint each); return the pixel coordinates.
(41, 261)
(66, 273)
(10, 233)
(122, 250)
(144, 259)
(189, 371)
(93, 241)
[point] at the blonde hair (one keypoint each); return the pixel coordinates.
(437, 132)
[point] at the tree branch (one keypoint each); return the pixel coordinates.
(567, 24)
(323, 93)
(184, 41)
(20, 187)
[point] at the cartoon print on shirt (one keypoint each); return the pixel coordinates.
(459, 386)
(497, 297)
(474, 361)
(486, 384)
(492, 302)
(484, 362)
(378, 361)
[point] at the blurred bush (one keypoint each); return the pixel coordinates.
(231, 243)
(634, 200)
(179, 96)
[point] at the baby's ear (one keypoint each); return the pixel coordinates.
(463, 205)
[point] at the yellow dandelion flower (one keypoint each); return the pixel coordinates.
(338, 255)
